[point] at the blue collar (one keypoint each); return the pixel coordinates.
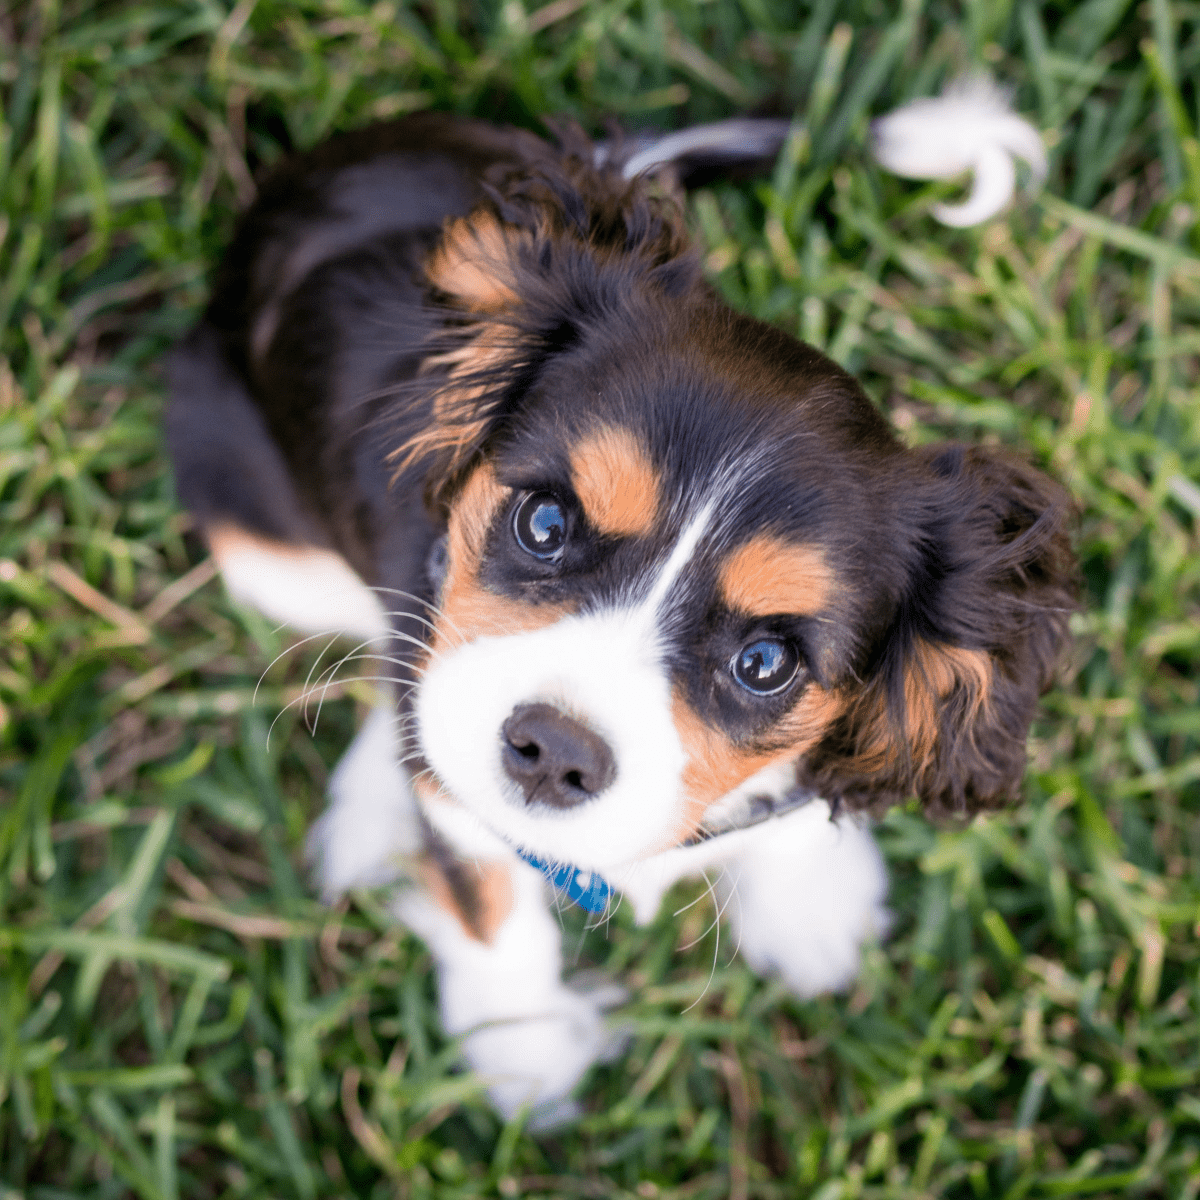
(592, 894)
(584, 888)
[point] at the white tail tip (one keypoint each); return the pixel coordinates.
(970, 127)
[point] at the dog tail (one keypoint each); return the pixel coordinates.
(700, 152)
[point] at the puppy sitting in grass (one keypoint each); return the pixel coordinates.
(655, 588)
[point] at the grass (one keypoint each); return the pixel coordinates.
(180, 1018)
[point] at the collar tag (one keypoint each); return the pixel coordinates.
(584, 888)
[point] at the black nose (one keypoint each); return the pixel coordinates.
(555, 759)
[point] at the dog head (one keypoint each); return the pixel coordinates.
(686, 555)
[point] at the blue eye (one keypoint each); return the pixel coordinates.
(766, 665)
(540, 526)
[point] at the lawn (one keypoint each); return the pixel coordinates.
(180, 1017)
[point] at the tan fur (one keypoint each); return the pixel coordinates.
(932, 675)
(616, 482)
(468, 610)
(473, 262)
(935, 672)
(225, 540)
(769, 576)
(470, 520)
(459, 418)
(472, 265)
(715, 765)
(491, 896)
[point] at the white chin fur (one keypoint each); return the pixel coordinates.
(604, 671)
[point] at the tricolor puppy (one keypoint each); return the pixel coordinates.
(656, 589)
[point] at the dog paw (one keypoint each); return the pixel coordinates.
(807, 898)
(604, 995)
(538, 1061)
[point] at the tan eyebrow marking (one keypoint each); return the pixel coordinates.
(616, 482)
(769, 575)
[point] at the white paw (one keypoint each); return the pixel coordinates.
(527, 1035)
(372, 820)
(538, 1061)
(807, 895)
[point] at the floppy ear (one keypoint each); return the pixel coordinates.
(474, 356)
(556, 246)
(945, 705)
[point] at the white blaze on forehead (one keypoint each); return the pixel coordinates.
(681, 554)
(605, 670)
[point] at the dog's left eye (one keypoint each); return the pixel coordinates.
(766, 665)
(540, 526)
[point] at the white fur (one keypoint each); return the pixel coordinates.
(737, 138)
(527, 1034)
(804, 893)
(313, 590)
(602, 670)
(371, 822)
(971, 127)
(606, 670)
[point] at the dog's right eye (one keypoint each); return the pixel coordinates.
(540, 526)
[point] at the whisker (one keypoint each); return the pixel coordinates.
(306, 695)
(424, 601)
(332, 635)
(708, 891)
(350, 657)
(330, 671)
(692, 904)
(433, 607)
(400, 636)
(716, 924)
(412, 616)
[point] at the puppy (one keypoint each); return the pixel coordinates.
(654, 588)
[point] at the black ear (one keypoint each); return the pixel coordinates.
(556, 247)
(945, 705)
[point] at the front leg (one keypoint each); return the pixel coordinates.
(804, 893)
(483, 914)
(498, 955)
